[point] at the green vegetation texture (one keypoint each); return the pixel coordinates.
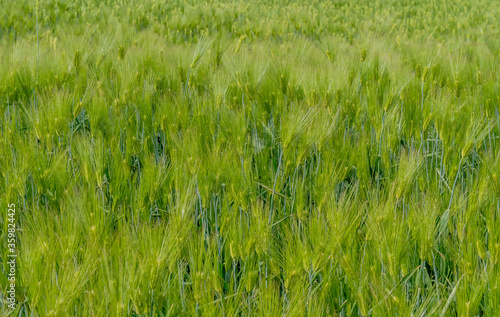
(251, 158)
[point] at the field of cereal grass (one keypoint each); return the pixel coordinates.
(261, 158)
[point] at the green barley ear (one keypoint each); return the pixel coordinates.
(196, 59)
(77, 59)
(240, 42)
(389, 101)
(475, 135)
(456, 87)
(218, 57)
(495, 254)
(425, 74)
(481, 250)
(492, 167)
(181, 73)
(418, 70)
(330, 55)
(363, 55)
(479, 78)
(407, 174)
(200, 50)
(121, 52)
(338, 96)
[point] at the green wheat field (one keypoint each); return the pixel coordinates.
(250, 158)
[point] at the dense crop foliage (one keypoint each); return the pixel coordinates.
(251, 158)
